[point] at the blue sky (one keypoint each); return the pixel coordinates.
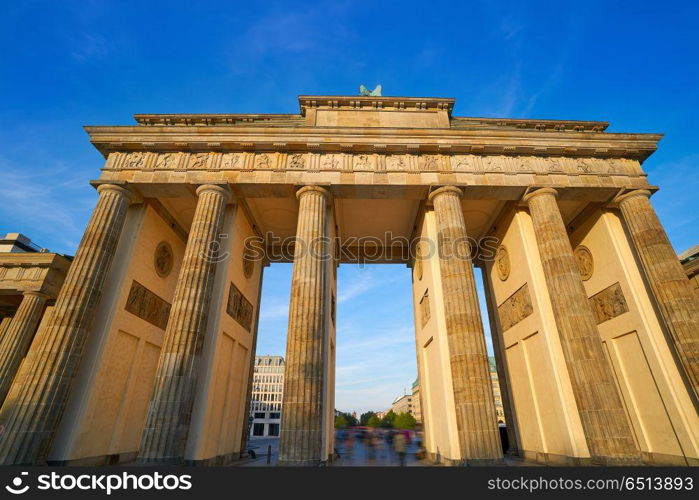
(67, 64)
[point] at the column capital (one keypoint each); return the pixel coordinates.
(310, 189)
(631, 194)
(445, 190)
(118, 188)
(221, 189)
(537, 192)
(36, 293)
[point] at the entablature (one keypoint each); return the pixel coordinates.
(38, 272)
(109, 139)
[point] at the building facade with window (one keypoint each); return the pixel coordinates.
(417, 407)
(403, 404)
(497, 395)
(266, 401)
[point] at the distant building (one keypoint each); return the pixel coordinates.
(417, 407)
(403, 404)
(499, 408)
(267, 391)
(690, 262)
(17, 243)
(381, 414)
(30, 279)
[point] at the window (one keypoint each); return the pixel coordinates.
(258, 430)
(274, 415)
(259, 415)
(273, 429)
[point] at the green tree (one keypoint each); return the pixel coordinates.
(340, 422)
(373, 421)
(351, 420)
(404, 421)
(387, 420)
(364, 418)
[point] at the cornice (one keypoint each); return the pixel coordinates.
(218, 119)
(390, 140)
(307, 102)
(533, 124)
(34, 259)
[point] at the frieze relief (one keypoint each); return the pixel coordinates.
(231, 161)
(469, 163)
(264, 161)
(330, 162)
(517, 307)
(397, 163)
(363, 162)
(297, 161)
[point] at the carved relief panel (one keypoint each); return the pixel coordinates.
(147, 305)
(425, 308)
(517, 307)
(609, 303)
(239, 308)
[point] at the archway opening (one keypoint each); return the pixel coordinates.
(376, 368)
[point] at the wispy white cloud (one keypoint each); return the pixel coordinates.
(52, 203)
(278, 309)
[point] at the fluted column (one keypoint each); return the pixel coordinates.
(676, 299)
(170, 411)
(4, 325)
(302, 419)
(607, 430)
(18, 336)
(37, 398)
(476, 418)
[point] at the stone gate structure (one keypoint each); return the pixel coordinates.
(147, 353)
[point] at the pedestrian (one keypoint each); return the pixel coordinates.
(348, 445)
(371, 442)
(400, 444)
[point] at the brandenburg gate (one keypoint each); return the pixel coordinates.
(146, 352)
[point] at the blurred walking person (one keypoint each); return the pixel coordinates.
(400, 444)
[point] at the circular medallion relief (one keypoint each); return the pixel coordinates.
(502, 263)
(248, 262)
(162, 260)
(583, 258)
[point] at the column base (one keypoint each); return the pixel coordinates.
(162, 461)
(476, 462)
(216, 461)
(451, 462)
(302, 463)
(618, 461)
